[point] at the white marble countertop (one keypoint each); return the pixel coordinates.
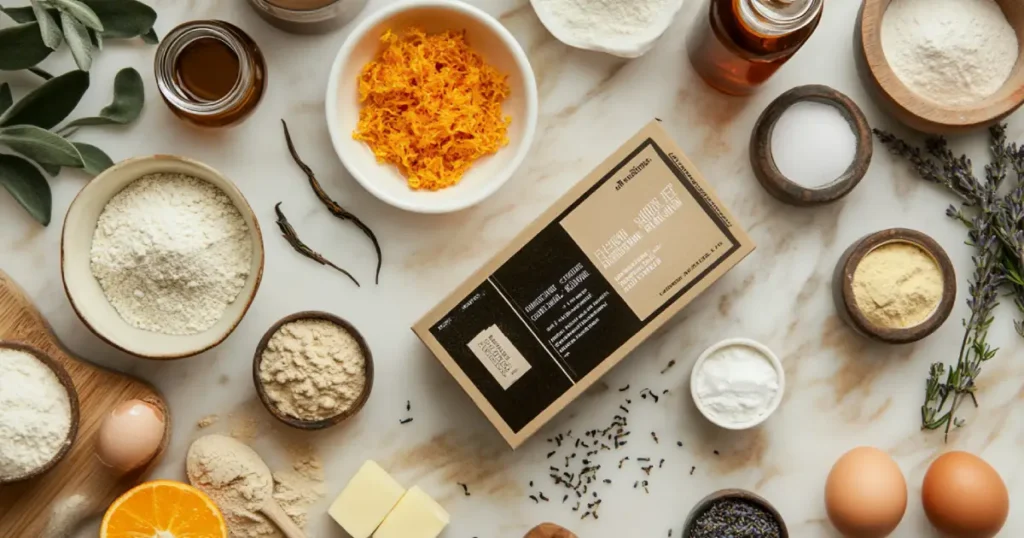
(842, 390)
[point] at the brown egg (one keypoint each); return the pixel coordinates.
(964, 497)
(131, 435)
(865, 494)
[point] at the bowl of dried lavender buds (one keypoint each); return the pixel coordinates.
(734, 512)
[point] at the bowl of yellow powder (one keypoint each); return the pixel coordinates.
(895, 286)
(431, 105)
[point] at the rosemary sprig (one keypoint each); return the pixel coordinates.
(293, 239)
(331, 205)
(995, 225)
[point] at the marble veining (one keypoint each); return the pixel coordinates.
(842, 391)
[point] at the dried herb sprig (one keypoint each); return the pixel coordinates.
(995, 225)
(293, 239)
(331, 205)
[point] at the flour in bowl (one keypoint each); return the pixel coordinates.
(35, 413)
(171, 253)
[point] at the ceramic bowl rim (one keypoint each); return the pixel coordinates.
(358, 34)
(255, 233)
(764, 350)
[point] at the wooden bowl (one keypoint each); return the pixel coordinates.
(763, 161)
(916, 111)
(302, 424)
(846, 305)
(65, 380)
(735, 494)
(84, 291)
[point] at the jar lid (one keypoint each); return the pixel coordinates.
(772, 17)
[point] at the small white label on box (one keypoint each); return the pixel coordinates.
(499, 356)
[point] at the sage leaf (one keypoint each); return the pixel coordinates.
(41, 145)
(151, 37)
(94, 158)
(49, 104)
(6, 99)
(77, 37)
(20, 15)
(47, 26)
(27, 186)
(51, 169)
(22, 47)
(123, 18)
(80, 12)
(129, 96)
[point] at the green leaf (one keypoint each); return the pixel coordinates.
(95, 159)
(96, 38)
(50, 103)
(77, 37)
(22, 47)
(20, 15)
(123, 18)
(129, 96)
(80, 12)
(50, 169)
(151, 37)
(28, 187)
(6, 99)
(41, 145)
(48, 27)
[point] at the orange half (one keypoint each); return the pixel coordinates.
(163, 509)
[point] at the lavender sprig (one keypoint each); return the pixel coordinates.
(995, 228)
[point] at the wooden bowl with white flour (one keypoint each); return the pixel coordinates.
(32, 392)
(963, 99)
(161, 256)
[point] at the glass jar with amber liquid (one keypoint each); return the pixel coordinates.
(742, 43)
(210, 73)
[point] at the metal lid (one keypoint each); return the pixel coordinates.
(776, 17)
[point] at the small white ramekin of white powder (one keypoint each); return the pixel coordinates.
(35, 414)
(737, 383)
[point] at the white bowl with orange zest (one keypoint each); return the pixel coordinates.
(407, 153)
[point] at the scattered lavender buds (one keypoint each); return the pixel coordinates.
(736, 519)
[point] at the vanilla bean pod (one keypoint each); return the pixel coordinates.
(293, 239)
(330, 204)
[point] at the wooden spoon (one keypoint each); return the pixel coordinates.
(275, 513)
(201, 466)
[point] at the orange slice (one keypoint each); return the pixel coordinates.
(163, 509)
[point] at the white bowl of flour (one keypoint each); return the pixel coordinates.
(737, 383)
(161, 256)
(624, 28)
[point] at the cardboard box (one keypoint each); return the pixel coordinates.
(584, 284)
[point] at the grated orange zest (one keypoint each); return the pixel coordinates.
(431, 106)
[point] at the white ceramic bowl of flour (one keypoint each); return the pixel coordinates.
(624, 28)
(487, 37)
(85, 292)
(737, 383)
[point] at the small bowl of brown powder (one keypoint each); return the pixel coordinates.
(896, 286)
(313, 370)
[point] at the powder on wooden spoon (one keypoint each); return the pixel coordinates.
(236, 478)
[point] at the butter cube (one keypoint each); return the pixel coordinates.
(415, 516)
(366, 500)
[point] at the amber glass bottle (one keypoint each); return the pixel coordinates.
(743, 42)
(210, 73)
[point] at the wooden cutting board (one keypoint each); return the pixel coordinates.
(79, 486)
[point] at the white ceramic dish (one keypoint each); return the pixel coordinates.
(487, 37)
(632, 46)
(84, 290)
(772, 358)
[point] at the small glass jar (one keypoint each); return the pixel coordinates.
(742, 43)
(204, 49)
(308, 16)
